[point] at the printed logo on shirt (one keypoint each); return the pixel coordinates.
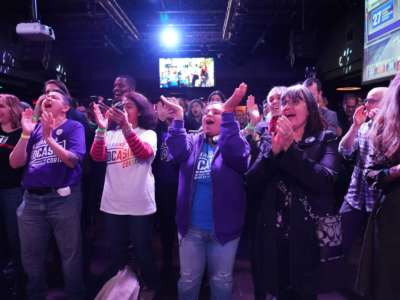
(43, 154)
(164, 152)
(203, 169)
(3, 139)
(118, 154)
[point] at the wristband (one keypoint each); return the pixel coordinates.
(249, 126)
(25, 136)
(100, 130)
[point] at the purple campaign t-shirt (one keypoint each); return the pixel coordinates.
(44, 168)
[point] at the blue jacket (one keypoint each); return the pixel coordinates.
(228, 167)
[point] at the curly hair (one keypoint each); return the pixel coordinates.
(15, 107)
(147, 118)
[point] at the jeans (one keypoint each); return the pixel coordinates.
(39, 216)
(197, 248)
(354, 222)
(124, 231)
(10, 199)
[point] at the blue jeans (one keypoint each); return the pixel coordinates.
(38, 217)
(197, 248)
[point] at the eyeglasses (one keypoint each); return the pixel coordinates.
(371, 101)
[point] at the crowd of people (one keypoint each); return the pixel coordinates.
(304, 182)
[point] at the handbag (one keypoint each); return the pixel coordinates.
(123, 286)
(328, 231)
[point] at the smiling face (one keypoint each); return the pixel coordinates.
(55, 103)
(211, 121)
(274, 103)
(295, 109)
(121, 86)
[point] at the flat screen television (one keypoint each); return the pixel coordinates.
(186, 72)
(381, 39)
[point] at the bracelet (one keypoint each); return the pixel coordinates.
(25, 136)
(249, 126)
(100, 130)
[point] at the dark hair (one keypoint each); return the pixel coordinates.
(314, 122)
(129, 79)
(310, 81)
(218, 93)
(349, 96)
(147, 118)
(61, 85)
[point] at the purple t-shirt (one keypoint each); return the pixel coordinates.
(44, 168)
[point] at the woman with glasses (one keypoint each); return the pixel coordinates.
(296, 169)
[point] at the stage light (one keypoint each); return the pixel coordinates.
(169, 37)
(348, 88)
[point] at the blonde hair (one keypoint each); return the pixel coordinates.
(15, 109)
(276, 90)
(385, 131)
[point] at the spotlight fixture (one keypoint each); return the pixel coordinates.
(169, 37)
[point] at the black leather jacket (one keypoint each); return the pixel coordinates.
(306, 168)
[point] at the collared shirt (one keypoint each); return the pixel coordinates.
(360, 195)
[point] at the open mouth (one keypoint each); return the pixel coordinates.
(209, 122)
(47, 104)
(290, 115)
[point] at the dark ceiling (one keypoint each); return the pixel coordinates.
(237, 29)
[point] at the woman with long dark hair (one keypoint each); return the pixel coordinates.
(296, 168)
(128, 196)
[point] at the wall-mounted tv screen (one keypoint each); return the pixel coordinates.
(186, 72)
(381, 39)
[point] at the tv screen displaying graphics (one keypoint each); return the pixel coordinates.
(186, 72)
(381, 39)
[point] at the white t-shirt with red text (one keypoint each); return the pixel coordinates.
(129, 183)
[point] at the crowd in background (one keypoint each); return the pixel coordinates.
(301, 182)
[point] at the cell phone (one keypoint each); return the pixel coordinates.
(119, 105)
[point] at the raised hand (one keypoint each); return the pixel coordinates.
(27, 123)
(38, 107)
(360, 115)
(119, 116)
(175, 110)
(234, 100)
(48, 124)
(253, 111)
(101, 120)
(284, 133)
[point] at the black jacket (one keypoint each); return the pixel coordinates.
(307, 168)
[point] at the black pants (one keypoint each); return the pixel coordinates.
(166, 210)
(135, 231)
(353, 226)
(285, 292)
